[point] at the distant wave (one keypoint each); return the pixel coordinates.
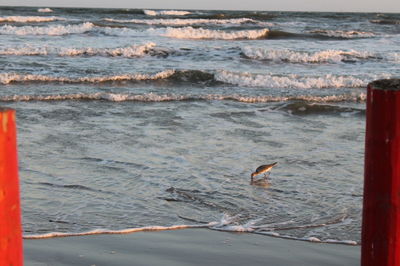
(386, 21)
(325, 56)
(45, 10)
(55, 30)
(343, 34)
(187, 32)
(129, 51)
(25, 19)
(182, 22)
(152, 97)
(264, 16)
(243, 79)
(190, 33)
(200, 33)
(166, 13)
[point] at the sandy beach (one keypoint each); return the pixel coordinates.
(186, 247)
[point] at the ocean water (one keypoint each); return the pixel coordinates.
(134, 119)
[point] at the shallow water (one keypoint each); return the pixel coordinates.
(133, 118)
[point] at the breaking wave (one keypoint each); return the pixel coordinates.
(129, 51)
(182, 22)
(326, 56)
(289, 81)
(25, 19)
(166, 13)
(200, 33)
(152, 97)
(55, 30)
(7, 78)
(243, 79)
(191, 76)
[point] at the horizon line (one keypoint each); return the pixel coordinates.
(197, 9)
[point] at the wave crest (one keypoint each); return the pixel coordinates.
(182, 22)
(130, 51)
(200, 33)
(152, 97)
(7, 78)
(290, 81)
(243, 79)
(166, 12)
(25, 19)
(386, 21)
(45, 10)
(54, 30)
(326, 56)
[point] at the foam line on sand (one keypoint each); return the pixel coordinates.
(185, 247)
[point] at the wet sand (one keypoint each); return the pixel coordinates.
(186, 247)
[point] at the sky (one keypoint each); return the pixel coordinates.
(265, 5)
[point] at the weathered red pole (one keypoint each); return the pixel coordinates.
(11, 252)
(381, 212)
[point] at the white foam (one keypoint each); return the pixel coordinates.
(285, 55)
(49, 30)
(166, 13)
(25, 19)
(274, 234)
(24, 51)
(200, 33)
(347, 242)
(225, 224)
(312, 239)
(344, 34)
(290, 81)
(45, 10)
(211, 225)
(182, 22)
(152, 97)
(130, 51)
(7, 78)
(106, 231)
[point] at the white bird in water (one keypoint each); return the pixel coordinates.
(263, 169)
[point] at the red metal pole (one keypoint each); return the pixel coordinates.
(381, 212)
(11, 252)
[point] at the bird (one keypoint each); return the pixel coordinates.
(263, 169)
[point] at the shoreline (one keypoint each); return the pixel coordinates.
(185, 247)
(209, 226)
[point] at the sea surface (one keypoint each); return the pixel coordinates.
(133, 119)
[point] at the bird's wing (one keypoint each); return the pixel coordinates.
(260, 168)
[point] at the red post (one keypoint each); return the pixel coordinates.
(11, 252)
(381, 212)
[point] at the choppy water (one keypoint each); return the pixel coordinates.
(134, 118)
